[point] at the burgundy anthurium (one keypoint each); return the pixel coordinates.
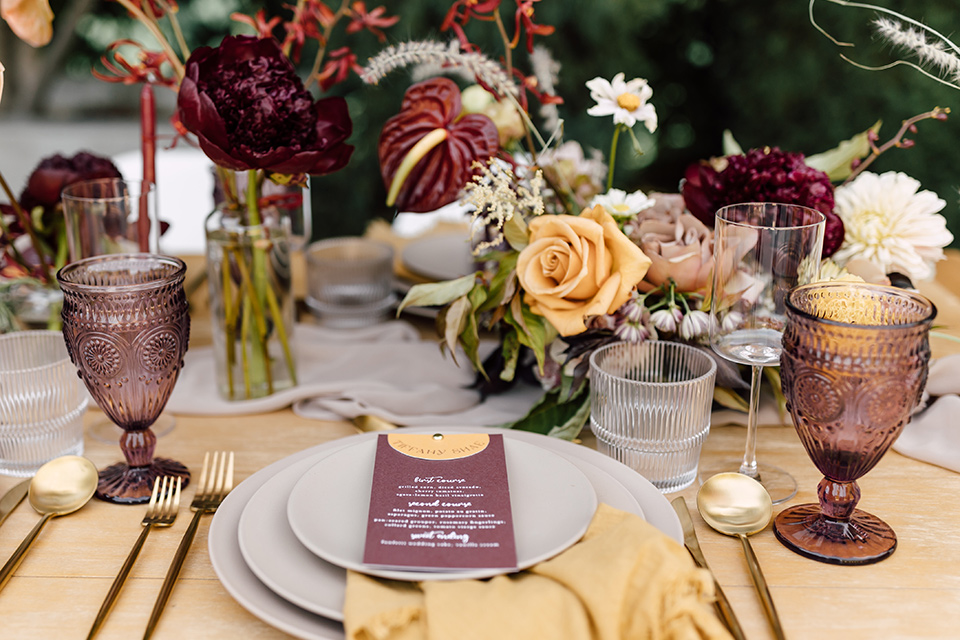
(249, 110)
(427, 150)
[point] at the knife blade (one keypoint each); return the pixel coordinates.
(12, 498)
(693, 546)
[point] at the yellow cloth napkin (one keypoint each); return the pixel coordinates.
(624, 579)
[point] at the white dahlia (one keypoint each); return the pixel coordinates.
(889, 222)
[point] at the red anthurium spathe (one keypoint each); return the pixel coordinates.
(428, 149)
(248, 108)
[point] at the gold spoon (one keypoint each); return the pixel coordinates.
(59, 487)
(737, 505)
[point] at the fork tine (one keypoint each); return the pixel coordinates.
(216, 480)
(153, 498)
(176, 498)
(156, 511)
(202, 483)
(228, 486)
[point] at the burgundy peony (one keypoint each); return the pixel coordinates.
(56, 172)
(248, 108)
(443, 167)
(762, 175)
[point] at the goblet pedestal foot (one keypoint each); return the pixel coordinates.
(779, 484)
(861, 539)
(104, 430)
(125, 484)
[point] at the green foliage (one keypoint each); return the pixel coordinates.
(754, 67)
(555, 417)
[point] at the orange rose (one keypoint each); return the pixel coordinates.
(578, 266)
(30, 20)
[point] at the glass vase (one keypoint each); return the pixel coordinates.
(251, 303)
(287, 204)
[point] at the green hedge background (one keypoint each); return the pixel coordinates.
(755, 67)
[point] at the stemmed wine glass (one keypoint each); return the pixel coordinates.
(112, 215)
(854, 366)
(126, 327)
(761, 251)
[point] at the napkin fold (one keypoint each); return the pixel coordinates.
(624, 579)
(933, 435)
(385, 370)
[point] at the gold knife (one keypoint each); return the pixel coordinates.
(12, 498)
(693, 546)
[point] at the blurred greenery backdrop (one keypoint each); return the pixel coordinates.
(755, 67)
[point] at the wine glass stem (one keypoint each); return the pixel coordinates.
(749, 465)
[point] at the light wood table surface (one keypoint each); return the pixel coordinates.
(915, 593)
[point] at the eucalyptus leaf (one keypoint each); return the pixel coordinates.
(498, 289)
(573, 426)
(552, 417)
(511, 355)
(470, 341)
(772, 374)
(837, 163)
(531, 329)
(516, 232)
(435, 294)
(727, 398)
(454, 321)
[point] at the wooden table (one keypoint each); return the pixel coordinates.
(915, 593)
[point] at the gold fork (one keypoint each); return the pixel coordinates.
(216, 481)
(161, 512)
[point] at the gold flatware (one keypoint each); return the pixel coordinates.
(161, 512)
(216, 481)
(60, 486)
(693, 546)
(737, 505)
(366, 423)
(12, 498)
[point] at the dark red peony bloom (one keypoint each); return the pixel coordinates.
(56, 172)
(431, 112)
(762, 175)
(248, 108)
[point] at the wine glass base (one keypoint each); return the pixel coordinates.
(864, 539)
(123, 484)
(779, 484)
(104, 430)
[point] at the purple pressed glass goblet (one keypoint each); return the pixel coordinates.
(854, 364)
(126, 327)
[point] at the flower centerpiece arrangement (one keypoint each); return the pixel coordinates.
(567, 262)
(251, 114)
(32, 229)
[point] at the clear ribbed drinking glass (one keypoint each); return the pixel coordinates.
(650, 408)
(41, 402)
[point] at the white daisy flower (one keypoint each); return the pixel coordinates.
(889, 222)
(625, 101)
(620, 204)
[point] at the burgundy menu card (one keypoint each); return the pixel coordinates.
(440, 502)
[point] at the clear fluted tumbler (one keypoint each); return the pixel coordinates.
(41, 402)
(650, 408)
(853, 367)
